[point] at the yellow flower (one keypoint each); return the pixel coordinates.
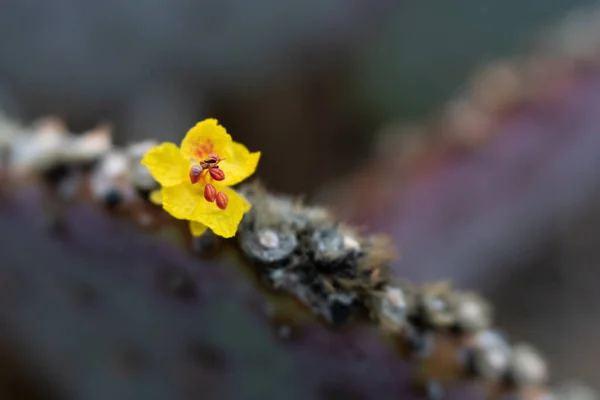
(196, 178)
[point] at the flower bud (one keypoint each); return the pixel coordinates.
(217, 174)
(222, 200)
(195, 172)
(210, 193)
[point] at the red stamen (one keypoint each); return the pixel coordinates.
(222, 200)
(216, 173)
(195, 173)
(210, 193)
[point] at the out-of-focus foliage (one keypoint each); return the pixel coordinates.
(313, 75)
(428, 49)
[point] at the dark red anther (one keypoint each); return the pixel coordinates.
(222, 200)
(210, 193)
(217, 174)
(195, 173)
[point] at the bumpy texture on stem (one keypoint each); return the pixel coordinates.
(501, 193)
(338, 273)
(146, 319)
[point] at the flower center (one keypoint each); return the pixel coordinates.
(212, 161)
(210, 166)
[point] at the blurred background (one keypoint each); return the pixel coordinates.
(319, 76)
(346, 99)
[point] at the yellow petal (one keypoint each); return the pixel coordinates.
(225, 222)
(186, 201)
(239, 165)
(197, 228)
(205, 138)
(166, 165)
(156, 197)
(182, 200)
(246, 204)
